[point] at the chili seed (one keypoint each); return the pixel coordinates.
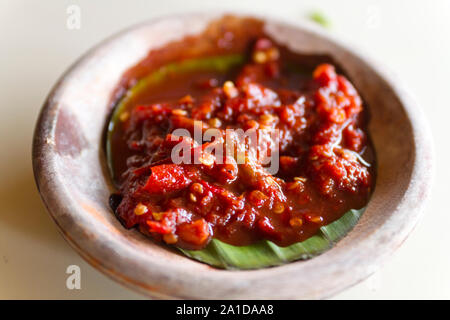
(197, 188)
(206, 159)
(230, 89)
(278, 208)
(179, 112)
(266, 119)
(314, 219)
(215, 122)
(140, 209)
(124, 116)
(260, 57)
(258, 194)
(193, 197)
(296, 222)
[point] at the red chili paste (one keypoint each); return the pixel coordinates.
(326, 161)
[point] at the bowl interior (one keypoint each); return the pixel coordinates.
(69, 165)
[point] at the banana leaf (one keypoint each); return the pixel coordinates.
(267, 254)
(217, 253)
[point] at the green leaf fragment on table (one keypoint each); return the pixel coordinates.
(320, 18)
(267, 254)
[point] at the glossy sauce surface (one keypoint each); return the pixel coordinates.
(326, 161)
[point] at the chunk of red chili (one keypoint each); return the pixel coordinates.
(166, 178)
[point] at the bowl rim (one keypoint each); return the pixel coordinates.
(422, 171)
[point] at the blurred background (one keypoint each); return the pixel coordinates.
(37, 44)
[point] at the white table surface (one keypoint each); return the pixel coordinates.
(411, 37)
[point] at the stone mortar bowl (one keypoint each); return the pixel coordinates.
(69, 167)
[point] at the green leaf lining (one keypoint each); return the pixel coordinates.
(267, 254)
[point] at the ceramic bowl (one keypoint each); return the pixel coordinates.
(71, 175)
